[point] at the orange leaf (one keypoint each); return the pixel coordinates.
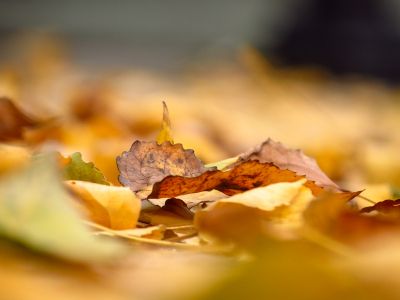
(243, 177)
(291, 159)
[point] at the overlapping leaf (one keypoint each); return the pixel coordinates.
(243, 218)
(147, 163)
(111, 206)
(243, 177)
(285, 158)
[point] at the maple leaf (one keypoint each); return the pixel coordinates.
(147, 162)
(77, 169)
(243, 177)
(36, 211)
(13, 120)
(285, 158)
(111, 206)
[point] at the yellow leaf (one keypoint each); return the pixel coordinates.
(165, 134)
(245, 217)
(111, 206)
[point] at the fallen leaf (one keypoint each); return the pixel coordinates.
(324, 212)
(165, 134)
(193, 200)
(223, 164)
(243, 177)
(77, 169)
(112, 206)
(36, 211)
(152, 232)
(331, 216)
(285, 158)
(13, 120)
(279, 205)
(388, 208)
(174, 212)
(147, 162)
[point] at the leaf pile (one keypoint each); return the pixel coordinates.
(270, 195)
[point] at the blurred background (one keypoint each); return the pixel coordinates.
(320, 75)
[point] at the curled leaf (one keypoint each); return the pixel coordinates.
(285, 158)
(243, 177)
(77, 169)
(111, 206)
(165, 134)
(192, 200)
(330, 216)
(147, 162)
(385, 207)
(280, 204)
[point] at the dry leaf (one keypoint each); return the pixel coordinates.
(331, 216)
(152, 232)
(13, 120)
(173, 213)
(325, 211)
(111, 206)
(246, 217)
(165, 134)
(192, 200)
(147, 162)
(285, 158)
(243, 177)
(389, 209)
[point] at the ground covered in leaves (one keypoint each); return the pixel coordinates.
(105, 194)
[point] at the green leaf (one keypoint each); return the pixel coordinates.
(36, 211)
(77, 169)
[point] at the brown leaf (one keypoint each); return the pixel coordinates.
(323, 212)
(193, 200)
(385, 207)
(13, 120)
(243, 177)
(331, 216)
(285, 158)
(147, 162)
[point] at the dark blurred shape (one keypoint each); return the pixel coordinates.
(344, 36)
